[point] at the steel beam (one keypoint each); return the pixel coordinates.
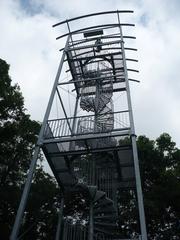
(17, 223)
(65, 114)
(134, 146)
(22, 205)
(118, 132)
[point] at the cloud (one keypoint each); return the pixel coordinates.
(28, 44)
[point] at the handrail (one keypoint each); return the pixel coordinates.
(90, 15)
(97, 26)
(90, 115)
(79, 42)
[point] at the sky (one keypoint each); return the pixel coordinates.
(28, 44)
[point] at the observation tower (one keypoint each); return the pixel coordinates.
(88, 135)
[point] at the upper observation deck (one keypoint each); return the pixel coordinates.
(94, 69)
(100, 44)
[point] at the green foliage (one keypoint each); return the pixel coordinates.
(17, 131)
(18, 135)
(160, 165)
(41, 213)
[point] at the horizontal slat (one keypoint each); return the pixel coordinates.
(91, 15)
(103, 26)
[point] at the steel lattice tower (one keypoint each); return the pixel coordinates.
(91, 148)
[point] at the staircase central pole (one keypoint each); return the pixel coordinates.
(59, 226)
(91, 226)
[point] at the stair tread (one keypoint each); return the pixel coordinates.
(92, 191)
(106, 210)
(99, 195)
(103, 230)
(104, 202)
(106, 224)
(108, 217)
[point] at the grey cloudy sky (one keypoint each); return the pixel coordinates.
(28, 44)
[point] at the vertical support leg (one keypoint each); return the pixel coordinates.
(72, 144)
(26, 190)
(93, 172)
(59, 226)
(24, 197)
(74, 116)
(91, 227)
(139, 191)
(133, 137)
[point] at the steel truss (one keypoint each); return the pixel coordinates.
(93, 155)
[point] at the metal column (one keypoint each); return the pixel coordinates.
(134, 146)
(59, 226)
(91, 227)
(22, 205)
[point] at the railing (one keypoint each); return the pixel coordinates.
(83, 125)
(74, 231)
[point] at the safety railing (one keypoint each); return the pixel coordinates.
(84, 125)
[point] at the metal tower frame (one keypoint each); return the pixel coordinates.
(97, 68)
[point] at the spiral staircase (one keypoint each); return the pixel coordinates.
(80, 175)
(100, 103)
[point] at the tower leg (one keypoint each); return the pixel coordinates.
(139, 191)
(134, 147)
(26, 190)
(22, 205)
(59, 226)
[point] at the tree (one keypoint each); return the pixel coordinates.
(17, 131)
(159, 165)
(18, 135)
(41, 212)
(160, 172)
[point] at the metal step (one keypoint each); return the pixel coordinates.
(105, 231)
(103, 203)
(106, 210)
(92, 191)
(99, 195)
(106, 224)
(106, 217)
